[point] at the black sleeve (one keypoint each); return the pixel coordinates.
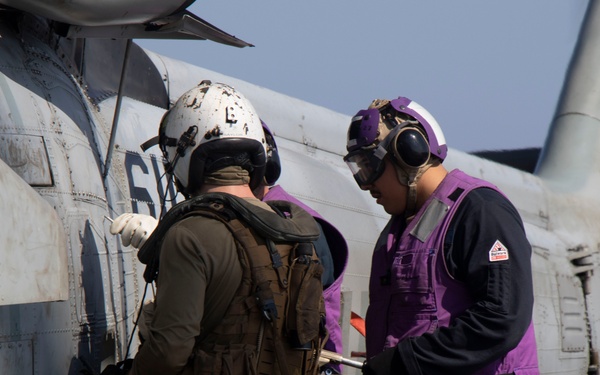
(502, 290)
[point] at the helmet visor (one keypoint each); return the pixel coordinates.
(366, 165)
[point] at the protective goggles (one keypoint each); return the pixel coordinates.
(409, 147)
(366, 165)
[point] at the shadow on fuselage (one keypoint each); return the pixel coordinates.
(523, 159)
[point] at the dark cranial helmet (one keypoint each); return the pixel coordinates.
(273, 170)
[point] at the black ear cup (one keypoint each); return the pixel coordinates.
(273, 167)
(411, 147)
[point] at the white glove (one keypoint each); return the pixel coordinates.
(134, 228)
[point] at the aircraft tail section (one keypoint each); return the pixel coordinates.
(571, 155)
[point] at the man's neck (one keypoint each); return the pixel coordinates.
(430, 180)
(242, 191)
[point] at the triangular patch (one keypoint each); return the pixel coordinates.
(498, 252)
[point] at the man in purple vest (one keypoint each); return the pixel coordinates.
(451, 282)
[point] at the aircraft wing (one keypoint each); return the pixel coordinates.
(183, 25)
(155, 19)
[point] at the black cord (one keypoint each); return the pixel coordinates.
(164, 196)
(136, 321)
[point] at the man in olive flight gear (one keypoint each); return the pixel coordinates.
(238, 281)
(331, 246)
(451, 288)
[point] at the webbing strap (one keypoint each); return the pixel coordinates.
(279, 350)
(265, 294)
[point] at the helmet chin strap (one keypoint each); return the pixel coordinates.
(410, 177)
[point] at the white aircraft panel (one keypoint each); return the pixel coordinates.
(33, 260)
(26, 155)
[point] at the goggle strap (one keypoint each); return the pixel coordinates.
(380, 152)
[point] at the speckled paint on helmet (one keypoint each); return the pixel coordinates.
(208, 113)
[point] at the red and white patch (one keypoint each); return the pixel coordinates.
(498, 252)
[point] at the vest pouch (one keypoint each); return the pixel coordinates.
(305, 303)
(236, 359)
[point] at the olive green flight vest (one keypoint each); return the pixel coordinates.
(275, 323)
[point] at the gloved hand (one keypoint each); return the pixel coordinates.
(384, 363)
(121, 368)
(134, 228)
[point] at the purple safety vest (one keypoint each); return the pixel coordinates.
(416, 301)
(339, 253)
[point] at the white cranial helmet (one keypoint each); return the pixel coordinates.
(210, 119)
